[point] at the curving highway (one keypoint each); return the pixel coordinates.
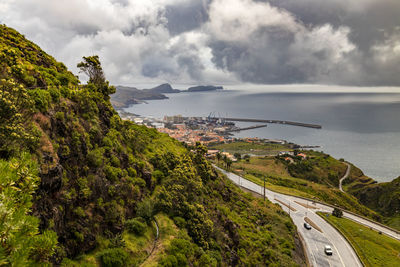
(299, 209)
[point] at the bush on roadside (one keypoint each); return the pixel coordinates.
(337, 212)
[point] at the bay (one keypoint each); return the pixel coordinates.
(363, 128)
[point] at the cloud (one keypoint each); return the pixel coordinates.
(266, 44)
(220, 41)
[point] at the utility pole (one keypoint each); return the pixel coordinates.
(264, 188)
(289, 208)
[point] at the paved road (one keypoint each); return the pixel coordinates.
(344, 176)
(343, 254)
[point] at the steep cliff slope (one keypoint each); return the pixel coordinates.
(75, 178)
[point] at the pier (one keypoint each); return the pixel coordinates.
(246, 128)
(301, 124)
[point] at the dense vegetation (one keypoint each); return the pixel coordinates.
(75, 178)
(381, 197)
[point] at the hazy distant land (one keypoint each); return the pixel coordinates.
(126, 96)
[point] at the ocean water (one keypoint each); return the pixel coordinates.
(363, 128)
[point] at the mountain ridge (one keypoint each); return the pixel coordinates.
(126, 96)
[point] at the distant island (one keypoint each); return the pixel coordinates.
(126, 96)
(165, 88)
(203, 88)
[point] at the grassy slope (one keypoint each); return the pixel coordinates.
(374, 249)
(167, 232)
(381, 197)
(138, 246)
(321, 182)
(251, 148)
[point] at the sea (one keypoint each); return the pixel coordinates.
(361, 127)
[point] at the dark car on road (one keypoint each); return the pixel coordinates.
(307, 226)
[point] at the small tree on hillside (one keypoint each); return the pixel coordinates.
(225, 159)
(219, 156)
(91, 66)
(238, 156)
(229, 163)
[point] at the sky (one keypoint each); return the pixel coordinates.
(335, 42)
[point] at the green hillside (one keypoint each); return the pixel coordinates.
(78, 184)
(315, 177)
(381, 197)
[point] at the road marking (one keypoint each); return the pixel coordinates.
(288, 206)
(312, 224)
(305, 205)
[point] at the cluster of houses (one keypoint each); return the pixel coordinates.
(290, 155)
(182, 133)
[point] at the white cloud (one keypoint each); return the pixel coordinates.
(236, 20)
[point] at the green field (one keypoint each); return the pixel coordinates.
(251, 148)
(373, 248)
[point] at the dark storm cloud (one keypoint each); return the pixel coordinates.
(369, 20)
(186, 16)
(214, 41)
(335, 42)
(264, 61)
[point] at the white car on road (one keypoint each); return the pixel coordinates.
(328, 250)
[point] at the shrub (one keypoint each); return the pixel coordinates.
(113, 213)
(169, 261)
(145, 209)
(55, 94)
(107, 142)
(135, 226)
(41, 98)
(132, 172)
(60, 116)
(139, 182)
(180, 222)
(158, 175)
(238, 156)
(113, 257)
(79, 212)
(95, 157)
(115, 161)
(117, 242)
(207, 260)
(112, 173)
